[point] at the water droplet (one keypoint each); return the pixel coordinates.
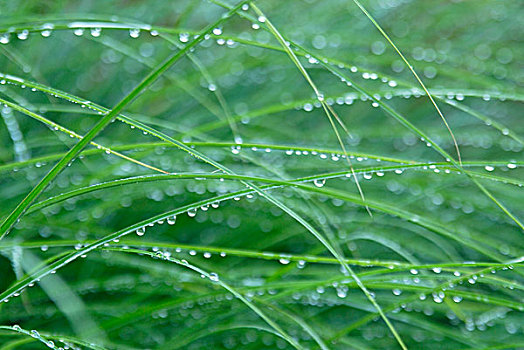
(207, 255)
(489, 168)
(261, 19)
(437, 269)
(319, 182)
(4, 38)
(217, 31)
(134, 32)
(235, 149)
(23, 34)
(183, 37)
(95, 32)
(141, 231)
(457, 299)
(396, 291)
(213, 277)
(284, 261)
(192, 212)
(437, 299)
(78, 31)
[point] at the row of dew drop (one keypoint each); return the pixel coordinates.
(235, 150)
(134, 32)
(171, 219)
(367, 174)
(342, 287)
(318, 182)
(95, 30)
(341, 292)
(78, 29)
(312, 300)
(284, 259)
(192, 212)
(49, 343)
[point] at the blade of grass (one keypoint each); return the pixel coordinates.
(216, 279)
(285, 45)
(375, 23)
(71, 133)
